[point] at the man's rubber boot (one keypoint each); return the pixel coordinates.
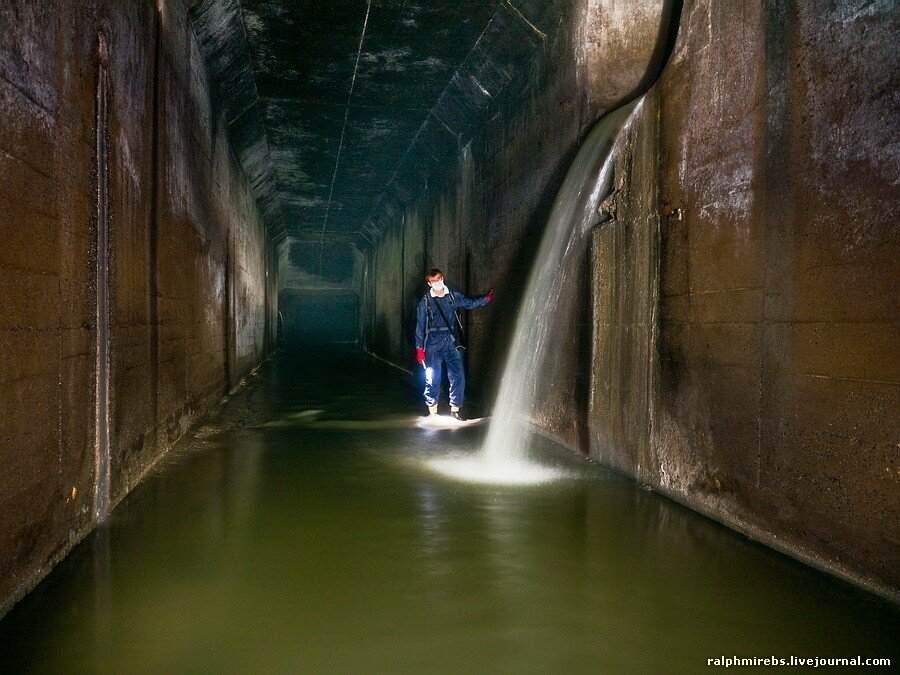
(432, 410)
(457, 415)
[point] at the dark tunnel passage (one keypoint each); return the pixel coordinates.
(238, 429)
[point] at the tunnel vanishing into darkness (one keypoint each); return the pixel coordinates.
(239, 199)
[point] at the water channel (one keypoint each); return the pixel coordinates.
(300, 529)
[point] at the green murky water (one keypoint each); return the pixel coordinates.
(300, 531)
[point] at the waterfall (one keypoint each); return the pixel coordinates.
(547, 298)
(548, 294)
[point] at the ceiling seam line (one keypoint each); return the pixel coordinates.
(518, 13)
(380, 199)
(337, 161)
(455, 135)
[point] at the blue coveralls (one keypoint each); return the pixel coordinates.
(437, 339)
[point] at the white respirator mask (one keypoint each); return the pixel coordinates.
(438, 286)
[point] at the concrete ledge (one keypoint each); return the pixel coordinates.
(740, 526)
(77, 536)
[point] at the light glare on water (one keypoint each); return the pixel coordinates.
(478, 469)
(438, 422)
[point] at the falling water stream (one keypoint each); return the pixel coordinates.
(547, 298)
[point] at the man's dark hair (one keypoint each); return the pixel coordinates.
(432, 273)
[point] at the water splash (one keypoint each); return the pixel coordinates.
(474, 469)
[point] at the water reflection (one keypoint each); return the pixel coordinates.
(102, 583)
(330, 548)
(433, 535)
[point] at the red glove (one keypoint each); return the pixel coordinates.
(420, 355)
(490, 295)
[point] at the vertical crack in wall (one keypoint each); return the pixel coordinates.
(153, 233)
(229, 324)
(101, 214)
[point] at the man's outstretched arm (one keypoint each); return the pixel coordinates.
(466, 302)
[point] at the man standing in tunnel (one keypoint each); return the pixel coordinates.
(439, 340)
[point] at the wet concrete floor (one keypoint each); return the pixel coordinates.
(299, 530)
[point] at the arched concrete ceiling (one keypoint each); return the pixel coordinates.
(341, 109)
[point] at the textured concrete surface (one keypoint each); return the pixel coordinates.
(757, 215)
(340, 110)
(343, 112)
(624, 280)
(481, 222)
(738, 343)
(192, 277)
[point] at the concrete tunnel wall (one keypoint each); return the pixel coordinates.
(481, 222)
(193, 287)
(736, 346)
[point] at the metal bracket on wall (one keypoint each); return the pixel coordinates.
(607, 210)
